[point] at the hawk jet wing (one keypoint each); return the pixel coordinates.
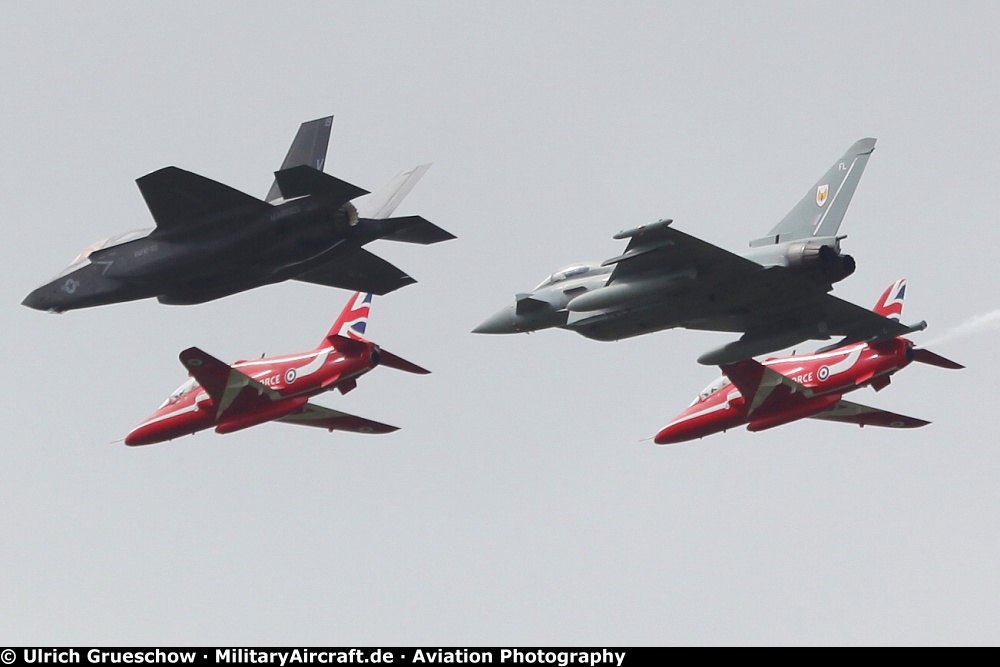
(239, 401)
(178, 199)
(758, 383)
(229, 389)
(863, 415)
(360, 271)
(311, 414)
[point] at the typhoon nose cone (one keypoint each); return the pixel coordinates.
(501, 322)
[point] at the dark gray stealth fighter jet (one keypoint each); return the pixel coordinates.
(211, 241)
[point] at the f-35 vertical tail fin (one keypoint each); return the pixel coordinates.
(381, 204)
(822, 209)
(308, 149)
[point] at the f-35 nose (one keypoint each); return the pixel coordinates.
(39, 301)
(502, 322)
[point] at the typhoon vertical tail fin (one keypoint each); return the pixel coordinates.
(822, 209)
(308, 149)
(353, 320)
(890, 304)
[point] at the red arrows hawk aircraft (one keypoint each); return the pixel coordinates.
(229, 398)
(782, 390)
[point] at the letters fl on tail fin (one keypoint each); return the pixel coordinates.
(353, 320)
(821, 210)
(890, 304)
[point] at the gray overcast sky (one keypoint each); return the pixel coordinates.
(518, 504)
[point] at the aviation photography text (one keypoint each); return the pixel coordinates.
(312, 656)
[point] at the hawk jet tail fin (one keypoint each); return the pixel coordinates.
(307, 149)
(890, 304)
(822, 209)
(353, 319)
(347, 335)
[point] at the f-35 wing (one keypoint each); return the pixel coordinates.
(658, 249)
(360, 271)
(178, 198)
(311, 414)
(862, 415)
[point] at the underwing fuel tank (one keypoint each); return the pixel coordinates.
(618, 294)
(744, 348)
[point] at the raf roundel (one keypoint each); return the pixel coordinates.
(823, 373)
(290, 376)
(195, 362)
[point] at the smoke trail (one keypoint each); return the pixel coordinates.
(977, 324)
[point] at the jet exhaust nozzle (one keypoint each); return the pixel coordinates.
(810, 253)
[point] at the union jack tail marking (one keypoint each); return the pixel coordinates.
(354, 318)
(891, 303)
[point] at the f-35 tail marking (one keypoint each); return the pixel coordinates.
(822, 209)
(307, 149)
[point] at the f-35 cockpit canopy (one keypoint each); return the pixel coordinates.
(84, 257)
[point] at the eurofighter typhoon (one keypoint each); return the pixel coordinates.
(775, 294)
(211, 240)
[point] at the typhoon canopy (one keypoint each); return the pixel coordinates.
(775, 294)
(211, 240)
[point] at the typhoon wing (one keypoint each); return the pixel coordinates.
(658, 249)
(791, 317)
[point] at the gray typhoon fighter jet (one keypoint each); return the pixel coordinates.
(211, 240)
(775, 294)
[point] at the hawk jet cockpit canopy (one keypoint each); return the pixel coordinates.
(711, 389)
(182, 390)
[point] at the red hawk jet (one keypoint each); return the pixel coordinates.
(229, 398)
(782, 390)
